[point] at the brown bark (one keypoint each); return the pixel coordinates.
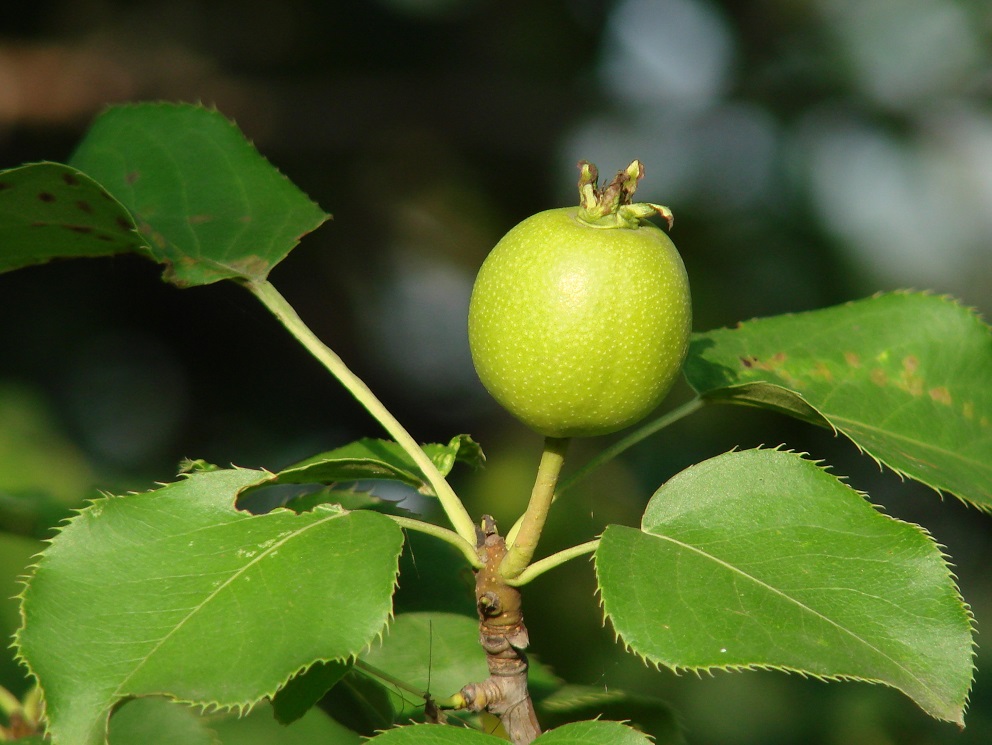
(503, 636)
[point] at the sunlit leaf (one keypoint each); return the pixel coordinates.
(435, 734)
(176, 592)
(763, 559)
(207, 204)
(576, 733)
(905, 376)
(593, 733)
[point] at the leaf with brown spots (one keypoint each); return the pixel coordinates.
(50, 211)
(906, 376)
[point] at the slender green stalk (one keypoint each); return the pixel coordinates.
(641, 433)
(538, 568)
(524, 540)
(604, 457)
(282, 310)
(448, 536)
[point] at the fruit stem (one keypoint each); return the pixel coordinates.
(613, 206)
(285, 313)
(524, 542)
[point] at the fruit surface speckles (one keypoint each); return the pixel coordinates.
(579, 330)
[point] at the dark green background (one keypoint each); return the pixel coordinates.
(813, 151)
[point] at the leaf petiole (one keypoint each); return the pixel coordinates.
(284, 312)
(548, 563)
(436, 531)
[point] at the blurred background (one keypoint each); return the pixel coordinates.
(813, 151)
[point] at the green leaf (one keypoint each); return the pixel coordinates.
(260, 728)
(650, 715)
(437, 653)
(576, 733)
(158, 721)
(380, 459)
(306, 688)
(762, 559)
(50, 210)
(209, 206)
(904, 376)
(593, 733)
(176, 592)
(360, 703)
(436, 734)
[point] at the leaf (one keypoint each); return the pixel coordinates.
(50, 210)
(360, 703)
(576, 733)
(259, 727)
(380, 459)
(436, 734)
(650, 715)
(436, 653)
(762, 559)
(208, 205)
(306, 688)
(593, 733)
(176, 592)
(905, 376)
(158, 721)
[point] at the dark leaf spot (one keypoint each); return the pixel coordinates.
(85, 207)
(124, 224)
(46, 196)
(131, 178)
(70, 179)
(4, 185)
(83, 229)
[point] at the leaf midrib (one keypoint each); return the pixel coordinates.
(206, 601)
(798, 603)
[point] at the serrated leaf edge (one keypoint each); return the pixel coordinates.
(205, 707)
(710, 669)
(971, 311)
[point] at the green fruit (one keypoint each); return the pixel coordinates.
(580, 317)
